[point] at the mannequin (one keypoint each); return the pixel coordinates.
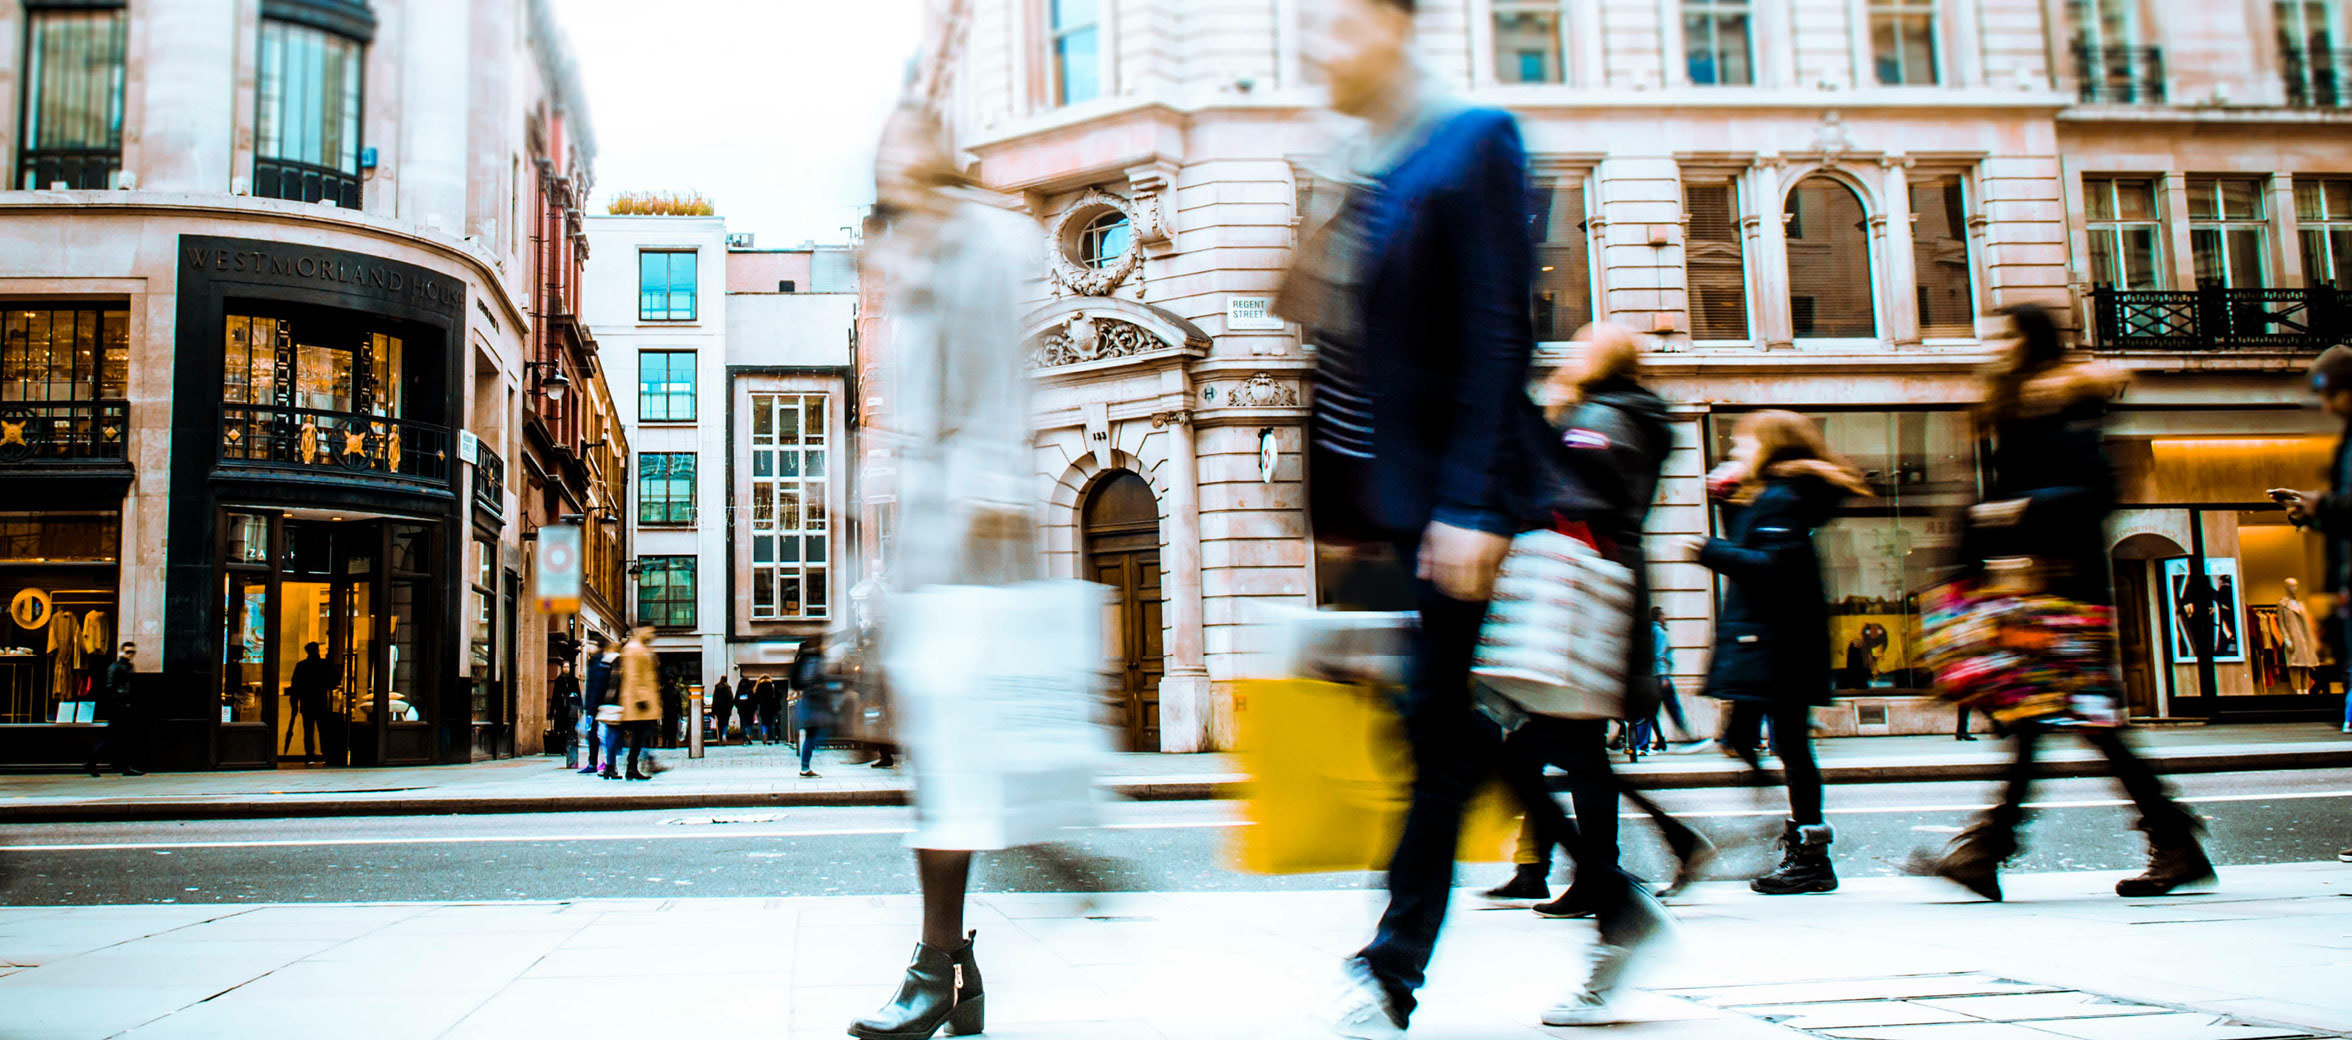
(2302, 645)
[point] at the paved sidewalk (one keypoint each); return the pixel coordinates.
(749, 777)
(1884, 959)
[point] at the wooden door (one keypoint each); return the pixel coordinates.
(2136, 652)
(1123, 554)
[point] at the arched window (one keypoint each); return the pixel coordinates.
(1105, 240)
(1829, 275)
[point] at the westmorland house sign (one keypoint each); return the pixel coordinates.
(276, 263)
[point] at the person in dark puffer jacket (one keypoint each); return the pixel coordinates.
(1772, 641)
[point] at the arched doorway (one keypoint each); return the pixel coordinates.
(2140, 629)
(1829, 269)
(1122, 524)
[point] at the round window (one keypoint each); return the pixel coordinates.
(1105, 240)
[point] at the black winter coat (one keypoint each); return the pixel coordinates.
(2053, 454)
(1772, 635)
(1600, 467)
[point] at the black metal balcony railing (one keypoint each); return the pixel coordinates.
(2221, 319)
(51, 433)
(78, 169)
(2120, 75)
(303, 182)
(489, 482)
(2319, 79)
(316, 441)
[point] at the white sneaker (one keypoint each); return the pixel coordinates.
(1362, 1010)
(1584, 1008)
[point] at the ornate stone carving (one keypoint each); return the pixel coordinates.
(1261, 391)
(1063, 235)
(1091, 339)
(1165, 419)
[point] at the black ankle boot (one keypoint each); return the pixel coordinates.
(1528, 883)
(1804, 865)
(1692, 855)
(2176, 860)
(942, 987)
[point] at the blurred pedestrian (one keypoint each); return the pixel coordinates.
(1596, 455)
(640, 700)
(1772, 634)
(722, 708)
(747, 710)
(126, 725)
(670, 727)
(810, 684)
(1662, 668)
(2328, 513)
(2045, 512)
(594, 694)
(313, 686)
(770, 699)
(563, 706)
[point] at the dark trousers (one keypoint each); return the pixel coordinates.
(810, 737)
(125, 741)
(640, 736)
(2160, 816)
(748, 714)
(1594, 789)
(1792, 738)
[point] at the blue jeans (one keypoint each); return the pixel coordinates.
(612, 745)
(810, 737)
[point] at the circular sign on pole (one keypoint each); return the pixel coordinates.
(557, 567)
(30, 608)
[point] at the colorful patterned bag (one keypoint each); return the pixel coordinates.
(2022, 656)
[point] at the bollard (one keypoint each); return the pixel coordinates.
(694, 723)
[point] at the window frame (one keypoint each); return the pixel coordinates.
(1791, 216)
(1734, 186)
(1058, 70)
(2224, 228)
(30, 116)
(669, 397)
(1964, 232)
(1714, 13)
(1556, 180)
(293, 177)
(811, 544)
(2329, 229)
(668, 508)
(105, 370)
(1098, 232)
(667, 313)
(2114, 227)
(1558, 54)
(1900, 11)
(669, 566)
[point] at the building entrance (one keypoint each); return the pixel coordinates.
(1123, 552)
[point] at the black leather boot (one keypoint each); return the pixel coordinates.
(942, 988)
(2176, 860)
(1529, 883)
(1973, 860)
(1804, 864)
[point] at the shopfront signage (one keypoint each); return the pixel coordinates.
(277, 263)
(30, 608)
(1251, 314)
(556, 573)
(469, 447)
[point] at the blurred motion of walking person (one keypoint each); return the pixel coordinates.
(641, 703)
(816, 714)
(1772, 634)
(563, 705)
(595, 693)
(1416, 295)
(2046, 506)
(2328, 513)
(126, 726)
(722, 708)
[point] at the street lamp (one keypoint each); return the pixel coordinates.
(554, 383)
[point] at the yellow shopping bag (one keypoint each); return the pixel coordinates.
(1329, 779)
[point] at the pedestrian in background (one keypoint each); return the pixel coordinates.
(1662, 669)
(2328, 513)
(126, 725)
(2045, 512)
(640, 700)
(313, 686)
(563, 706)
(747, 710)
(815, 700)
(1772, 634)
(722, 708)
(594, 695)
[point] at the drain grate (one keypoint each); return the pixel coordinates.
(1969, 1006)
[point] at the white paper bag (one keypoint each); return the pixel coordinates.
(1554, 641)
(996, 689)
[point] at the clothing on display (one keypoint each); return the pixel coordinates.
(2302, 645)
(65, 654)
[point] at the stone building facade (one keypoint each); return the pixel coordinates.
(1810, 204)
(280, 367)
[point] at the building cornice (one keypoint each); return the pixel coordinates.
(478, 260)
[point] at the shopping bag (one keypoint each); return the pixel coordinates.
(1330, 776)
(995, 689)
(2019, 655)
(1554, 640)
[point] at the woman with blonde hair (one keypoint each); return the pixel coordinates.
(1772, 637)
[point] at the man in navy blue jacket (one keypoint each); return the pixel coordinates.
(1417, 298)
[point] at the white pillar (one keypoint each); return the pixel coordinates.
(2286, 232)
(1767, 255)
(1898, 268)
(1189, 717)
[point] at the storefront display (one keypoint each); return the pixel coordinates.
(58, 575)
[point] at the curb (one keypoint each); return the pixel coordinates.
(205, 807)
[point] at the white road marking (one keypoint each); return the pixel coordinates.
(855, 832)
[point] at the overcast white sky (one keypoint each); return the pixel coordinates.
(769, 107)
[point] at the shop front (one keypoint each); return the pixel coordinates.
(314, 576)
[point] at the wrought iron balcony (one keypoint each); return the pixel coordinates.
(2215, 319)
(2319, 79)
(64, 433)
(303, 182)
(315, 441)
(2120, 75)
(489, 482)
(78, 169)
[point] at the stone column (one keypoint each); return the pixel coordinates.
(2286, 232)
(1768, 291)
(2181, 256)
(1189, 716)
(1899, 259)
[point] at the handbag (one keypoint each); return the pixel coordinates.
(2018, 654)
(1555, 636)
(609, 714)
